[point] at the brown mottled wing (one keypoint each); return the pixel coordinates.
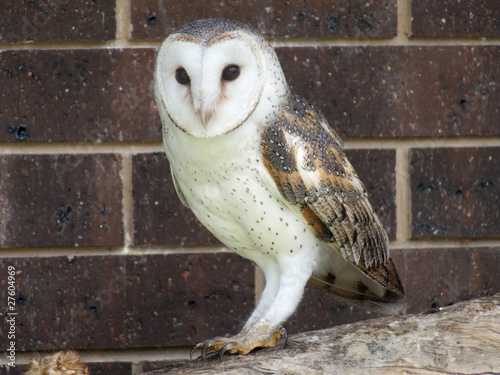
(305, 158)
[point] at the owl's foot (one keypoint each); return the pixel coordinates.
(240, 344)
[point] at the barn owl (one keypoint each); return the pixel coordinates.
(261, 168)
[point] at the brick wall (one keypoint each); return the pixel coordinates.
(110, 263)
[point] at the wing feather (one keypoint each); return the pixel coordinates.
(306, 161)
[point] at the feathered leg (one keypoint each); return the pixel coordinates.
(279, 300)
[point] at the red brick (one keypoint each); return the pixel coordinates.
(58, 20)
(102, 302)
(60, 200)
(275, 19)
(159, 216)
(451, 18)
(455, 192)
(438, 277)
(80, 95)
(400, 91)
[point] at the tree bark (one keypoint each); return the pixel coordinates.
(459, 339)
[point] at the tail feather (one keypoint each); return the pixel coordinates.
(378, 287)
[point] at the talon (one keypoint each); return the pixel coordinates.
(206, 347)
(195, 348)
(285, 335)
(226, 347)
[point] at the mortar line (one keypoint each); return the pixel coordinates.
(136, 368)
(422, 142)
(130, 148)
(124, 148)
(404, 21)
(134, 356)
(382, 42)
(275, 42)
(127, 202)
(123, 22)
(444, 243)
(403, 195)
(72, 252)
(90, 45)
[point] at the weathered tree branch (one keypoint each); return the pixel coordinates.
(460, 339)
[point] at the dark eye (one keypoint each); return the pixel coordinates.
(231, 73)
(181, 76)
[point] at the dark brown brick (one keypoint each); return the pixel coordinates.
(319, 310)
(150, 366)
(82, 95)
(276, 19)
(8, 370)
(60, 200)
(376, 169)
(183, 299)
(58, 20)
(99, 302)
(451, 18)
(103, 95)
(400, 91)
(159, 216)
(438, 277)
(66, 302)
(455, 192)
(110, 368)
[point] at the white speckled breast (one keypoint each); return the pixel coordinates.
(224, 182)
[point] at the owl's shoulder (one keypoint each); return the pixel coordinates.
(300, 118)
(299, 128)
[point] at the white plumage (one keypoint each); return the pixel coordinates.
(261, 169)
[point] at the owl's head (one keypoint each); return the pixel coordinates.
(211, 75)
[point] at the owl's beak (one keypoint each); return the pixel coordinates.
(205, 115)
(205, 103)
